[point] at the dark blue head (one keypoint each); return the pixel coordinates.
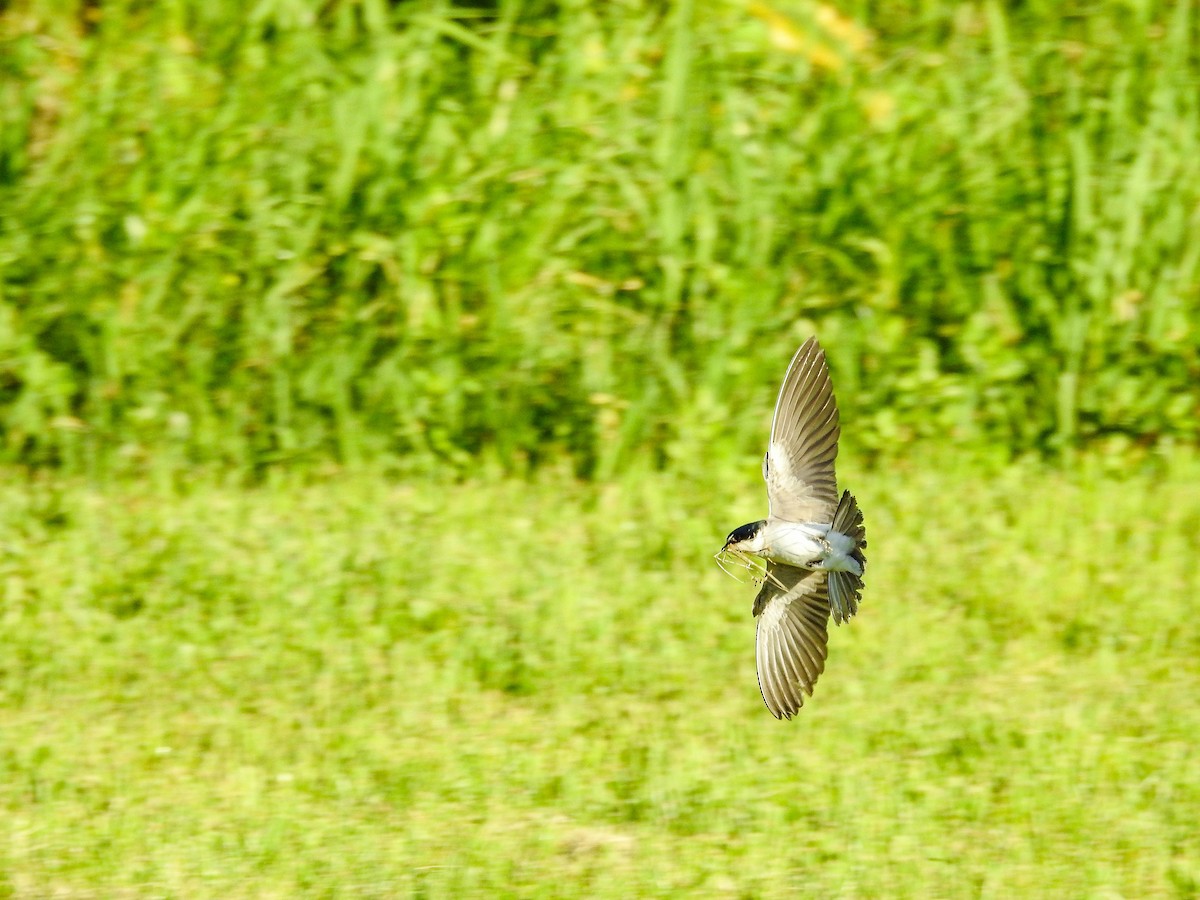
(745, 535)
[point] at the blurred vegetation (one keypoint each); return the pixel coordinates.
(420, 231)
(581, 237)
(320, 691)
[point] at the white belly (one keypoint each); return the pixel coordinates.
(810, 546)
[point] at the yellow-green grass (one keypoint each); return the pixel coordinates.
(361, 688)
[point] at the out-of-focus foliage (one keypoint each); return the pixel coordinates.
(319, 691)
(353, 230)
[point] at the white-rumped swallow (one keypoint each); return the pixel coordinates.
(811, 540)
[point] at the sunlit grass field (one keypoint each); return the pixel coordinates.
(354, 687)
(377, 380)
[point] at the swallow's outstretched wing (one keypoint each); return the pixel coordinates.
(799, 465)
(793, 610)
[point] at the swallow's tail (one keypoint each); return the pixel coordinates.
(848, 520)
(845, 588)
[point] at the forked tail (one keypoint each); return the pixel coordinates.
(845, 588)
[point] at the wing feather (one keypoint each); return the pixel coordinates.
(799, 465)
(793, 613)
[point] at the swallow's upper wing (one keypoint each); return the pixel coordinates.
(799, 465)
(793, 611)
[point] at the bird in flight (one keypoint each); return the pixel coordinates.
(811, 541)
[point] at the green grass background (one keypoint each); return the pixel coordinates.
(377, 379)
(323, 691)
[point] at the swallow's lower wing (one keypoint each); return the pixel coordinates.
(799, 465)
(793, 612)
